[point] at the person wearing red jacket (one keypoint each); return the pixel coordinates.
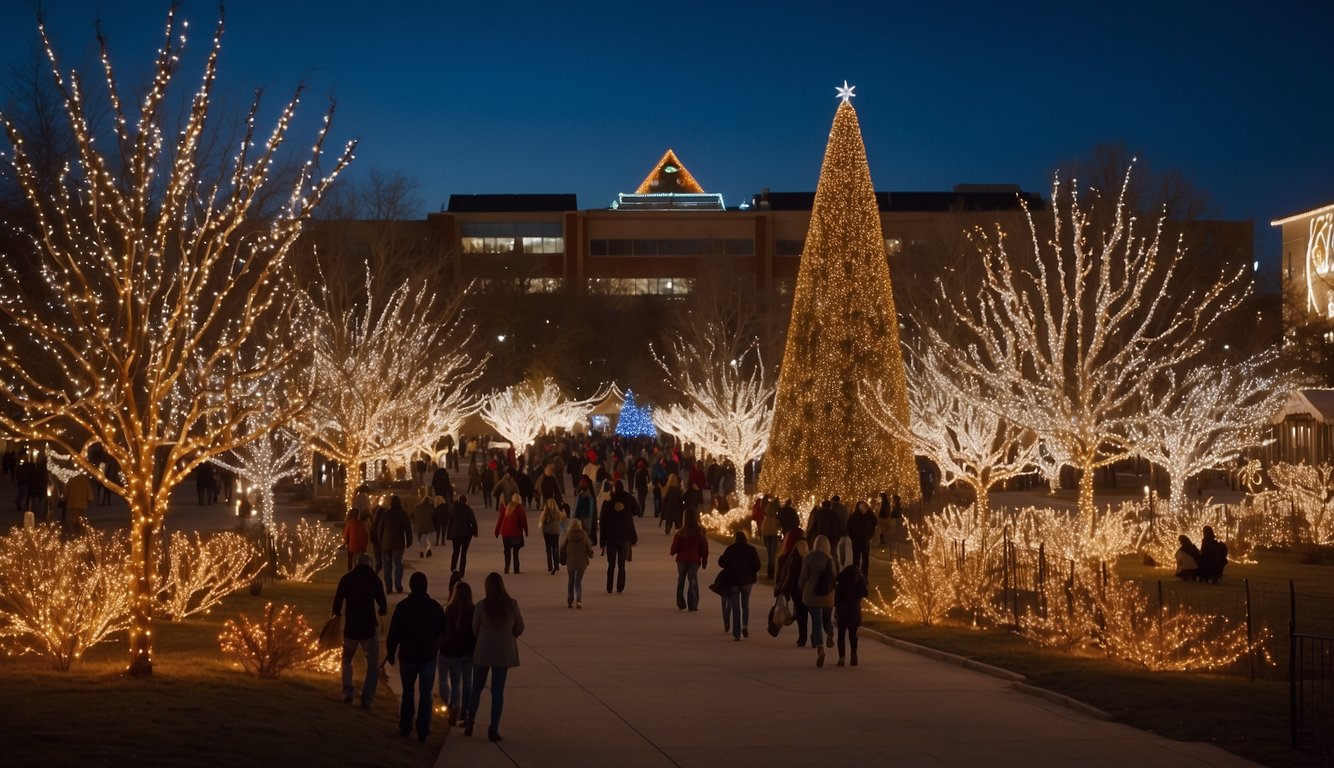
(691, 548)
(512, 527)
(354, 536)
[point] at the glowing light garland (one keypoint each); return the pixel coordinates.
(843, 334)
(156, 272)
(389, 380)
(1070, 347)
(60, 597)
(305, 551)
(265, 462)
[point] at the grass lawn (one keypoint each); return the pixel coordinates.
(1243, 717)
(199, 707)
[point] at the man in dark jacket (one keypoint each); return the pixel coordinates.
(414, 635)
(616, 535)
(394, 535)
(788, 517)
(362, 591)
(441, 484)
(741, 563)
(462, 530)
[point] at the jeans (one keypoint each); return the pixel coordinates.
(861, 556)
(419, 675)
(552, 542)
(817, 625)
(440, 534)
(574, 587)
(498, 675)
(392, 562)
(617, 553)
(456, 684)
(512, 546)
(458, 558)
(371, 647)
(739, 603)
(770, 549)
(687, 585)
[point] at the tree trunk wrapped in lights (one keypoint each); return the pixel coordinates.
(155, 275)
(844, 334)
(386, 376)
(1070, 346)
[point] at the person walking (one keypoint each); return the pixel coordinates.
(585, 509)
(848, 593)
(576, 552)
(618, 536)
(861, 529)
(78, 494)
(512, 527)
(817, 594)
(497, 623)
(769, 534)
(824, 521)
(395, 536)
(415, 631)
(673, 504)
(462, 530)
(423, 523)
(741, 563)
(691, 548)
(548, 487)
(552, 521)
(456, 650)
(363, 594)
(354, 537)
(788, 581)
(440, 518)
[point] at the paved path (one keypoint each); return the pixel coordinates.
(630, 681)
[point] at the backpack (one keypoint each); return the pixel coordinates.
(825, 583)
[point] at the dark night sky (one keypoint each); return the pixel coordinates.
(584, 97)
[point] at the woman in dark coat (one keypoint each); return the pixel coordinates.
(849, 590)
(456, 649)
(741, 563)
(789, 581)
(673, 505)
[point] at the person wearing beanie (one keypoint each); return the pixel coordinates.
(414, 637)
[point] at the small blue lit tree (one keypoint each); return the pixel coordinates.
(635, 420)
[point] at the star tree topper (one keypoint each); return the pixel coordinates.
(845, 92)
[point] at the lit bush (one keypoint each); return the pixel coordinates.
(60, 597)
(922, 591)
(200, 571)
(304, 552)
(278, 642)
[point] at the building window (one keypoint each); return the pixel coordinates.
(640, 286)
(788, 247)
(511, 236)
(673, 247)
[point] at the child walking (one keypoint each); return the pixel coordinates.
(849, 590)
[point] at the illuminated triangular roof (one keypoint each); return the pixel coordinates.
(669, 175)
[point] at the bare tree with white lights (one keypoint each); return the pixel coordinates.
(1069, 345)
(155, 278)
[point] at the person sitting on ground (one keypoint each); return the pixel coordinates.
(1188, 559)
(1213, 557)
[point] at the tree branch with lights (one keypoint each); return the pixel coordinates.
(523, 411)
(154, 275)
(1068, 344)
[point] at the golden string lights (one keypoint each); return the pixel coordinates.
(59, 596)
(305, 550)
(844, 334)
(279, 641)
(202, 570)
(522, 411)
(157, 276)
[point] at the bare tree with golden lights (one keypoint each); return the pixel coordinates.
(156, 278)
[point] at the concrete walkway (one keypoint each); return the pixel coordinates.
(630, 681)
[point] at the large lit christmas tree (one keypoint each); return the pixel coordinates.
(843, 336)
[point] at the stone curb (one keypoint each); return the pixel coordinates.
(1014, 678)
